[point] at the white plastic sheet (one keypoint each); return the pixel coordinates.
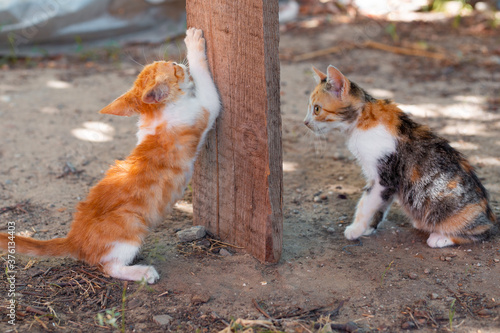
(31, 27)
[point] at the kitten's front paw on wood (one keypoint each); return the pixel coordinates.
(194, 40)
(354, 231)
(437, 240)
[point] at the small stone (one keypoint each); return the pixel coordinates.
(485, 313)
(323, 197)
(8, 182)
(200, 298)
(427, 271)
(317, 199)
(225, 253)
(412, 276)
(133, 303)
(330, 230)
(351, 327)
(204, 243)
(434, 296)
(192, 233)
(421, 321)
(408, 325)
(496, 260)
(162, 319)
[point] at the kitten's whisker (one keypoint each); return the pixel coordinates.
(144, 55)
(132, 58)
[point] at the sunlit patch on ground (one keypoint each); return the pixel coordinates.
(94, 131)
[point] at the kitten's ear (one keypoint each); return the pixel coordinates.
(156, 93)
(120, 107)
(337, 81)
(318, 75)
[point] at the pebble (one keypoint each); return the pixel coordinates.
(200, 298)
(323, 197)
(133, 303)
(412, 276)
(496, 260)
(408, 325)
(225, 253)
(192, 233)
(427, 271)
(204, 243)
(162, 319)
(434, 296)
(330, 230)
(485, 313)
(317, 199)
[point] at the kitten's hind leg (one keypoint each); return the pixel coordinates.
(121, 254)
(371, 210)
(480, 229)
(438, 240)
(131, 273)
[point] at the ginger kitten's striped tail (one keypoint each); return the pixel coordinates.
(57, 247)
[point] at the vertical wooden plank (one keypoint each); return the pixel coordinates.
(238, 179)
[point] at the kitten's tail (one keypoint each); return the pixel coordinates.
(57, 247)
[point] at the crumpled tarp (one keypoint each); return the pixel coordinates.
(40, 27)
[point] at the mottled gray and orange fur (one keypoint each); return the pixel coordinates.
(434, 184)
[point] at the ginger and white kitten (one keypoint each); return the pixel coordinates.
(435, 185)
(176, 109)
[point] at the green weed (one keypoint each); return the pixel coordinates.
(384, 273)
(451, 314)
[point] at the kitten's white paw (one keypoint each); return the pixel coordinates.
(438, 240)
(151, 275)
(354, 231)
(194, 40)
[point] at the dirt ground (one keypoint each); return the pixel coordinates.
(55, 146)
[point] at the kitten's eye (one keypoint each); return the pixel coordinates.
(316, 109)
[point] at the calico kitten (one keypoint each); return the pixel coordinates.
(400, 159)
(176, 109)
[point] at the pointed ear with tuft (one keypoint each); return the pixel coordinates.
(155, 94)
(338, 83)
(318, 75)
(120, 106)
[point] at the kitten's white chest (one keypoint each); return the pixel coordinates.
(369, 146)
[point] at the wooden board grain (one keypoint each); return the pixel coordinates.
(238, 179)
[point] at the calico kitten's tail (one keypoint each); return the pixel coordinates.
(57, 247)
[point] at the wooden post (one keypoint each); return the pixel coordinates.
(238, 179)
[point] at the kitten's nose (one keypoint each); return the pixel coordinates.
(306, 122)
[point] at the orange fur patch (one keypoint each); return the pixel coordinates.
(415, 175)
(380, 113)
(466, 165)
(456, 223)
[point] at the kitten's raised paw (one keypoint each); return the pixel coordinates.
(194, 40)
(354, 231)
(438, 240)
